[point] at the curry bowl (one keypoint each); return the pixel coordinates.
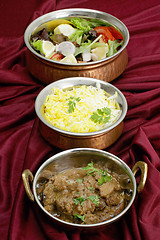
(60, 195)
(48, 71)
(65, 139)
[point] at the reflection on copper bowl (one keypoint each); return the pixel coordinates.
(78, 158)
(64, 139)
(48, 71)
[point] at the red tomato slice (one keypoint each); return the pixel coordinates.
(116, 33)
(57, 56)
(106, 34)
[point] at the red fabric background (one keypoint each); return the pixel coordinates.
(21, 145)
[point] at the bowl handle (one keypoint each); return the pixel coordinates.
(144, 169)
(27, 177)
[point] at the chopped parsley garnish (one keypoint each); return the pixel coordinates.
(82, 217)
(94, 199)
(104, 178)
(72, 103)
(103, 173)
(79, 200)
(79, 180)
(101, 116)
(91, 169)
(90, 188)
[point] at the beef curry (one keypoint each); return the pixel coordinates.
(86, 195)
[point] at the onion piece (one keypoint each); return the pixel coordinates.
(86, 55)
(66, 48)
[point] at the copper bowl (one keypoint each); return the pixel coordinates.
(48, 71)
(78, 158)
(64, 139)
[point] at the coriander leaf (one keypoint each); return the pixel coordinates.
(78, 99)
(90, 168)
(106, 119)
(72, 103)
(104, 178)
(100, 112)
(79, 200)
(90, 188)
(101, 116)
(106, 110)
(94, 117)
(79, 180)
(82, 217)
(94, 199)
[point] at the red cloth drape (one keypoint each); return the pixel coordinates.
(21, 145)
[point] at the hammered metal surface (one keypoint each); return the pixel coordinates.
(48, 72)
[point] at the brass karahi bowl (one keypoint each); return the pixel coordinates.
(48, 71)
(78, 158)
(62, 139)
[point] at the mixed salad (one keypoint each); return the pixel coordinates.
(77, 40)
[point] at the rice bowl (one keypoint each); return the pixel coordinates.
(66, 139)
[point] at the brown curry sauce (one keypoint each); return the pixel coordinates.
(83, 196)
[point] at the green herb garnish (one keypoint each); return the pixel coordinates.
(72, 103)
(91, 169)
(104, 178)
(103, 173)
(80, 217)
(90, 188)
(79, 180)
(94, 199)
(101, 116)
(79, 200)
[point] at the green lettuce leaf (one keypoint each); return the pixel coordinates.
(98, 44)
(77, 36)
(85, 46)
(86, 25)
(81, 24)
(113, 45)
(98, 22)
(82, 48)
(38, 45)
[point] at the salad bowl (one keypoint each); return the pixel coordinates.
(49, 70)
(65, 139)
